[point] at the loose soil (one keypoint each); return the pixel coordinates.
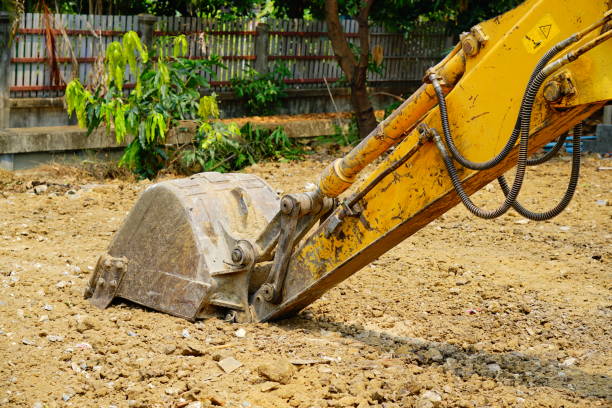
(466, 313)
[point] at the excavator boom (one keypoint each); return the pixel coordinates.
(227, 243)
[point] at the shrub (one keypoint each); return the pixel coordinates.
(262, 92)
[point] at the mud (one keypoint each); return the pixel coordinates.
(466, 313)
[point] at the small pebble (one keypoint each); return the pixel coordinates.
(240, 333)
(569, 362)
(54, 338)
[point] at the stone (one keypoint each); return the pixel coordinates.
(433, 354)
(168, 349)
(494, 368)
(40, 189)
(279, 370)
(85, 323)
(229, 364)
(432, 396)
(54, 338)
(240, 333)
(568, 362)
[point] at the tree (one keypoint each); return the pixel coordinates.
(355, 67)
(399, 15)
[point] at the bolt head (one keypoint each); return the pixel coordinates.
(237, 255)
(552, 91)
(286, 205)
(267, 291)
(470, 45)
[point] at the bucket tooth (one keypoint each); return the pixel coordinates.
(175, 244)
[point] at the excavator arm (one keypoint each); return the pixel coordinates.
(215, 242)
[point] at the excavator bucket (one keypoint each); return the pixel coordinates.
(173, 250)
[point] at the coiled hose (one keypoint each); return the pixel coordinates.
(517, 126)
(569, 192)
(550, 154)
(525, 124)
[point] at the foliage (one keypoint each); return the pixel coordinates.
(167, 90)
(262, 91)
(221, 151)
(404, 15)
(343, 136)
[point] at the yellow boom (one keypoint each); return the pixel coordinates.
(226, 242)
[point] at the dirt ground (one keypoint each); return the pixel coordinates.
(466, 313)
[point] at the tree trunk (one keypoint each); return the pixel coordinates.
(355, 70)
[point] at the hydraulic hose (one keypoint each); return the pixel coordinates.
(569, 192)
(525, 124)
(522, 113)
(550, 154)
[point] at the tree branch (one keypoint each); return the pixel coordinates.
(364, 33)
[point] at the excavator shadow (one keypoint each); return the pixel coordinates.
(508, 368)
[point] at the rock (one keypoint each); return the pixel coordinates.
(454, 291)
(28, 342)
(53, 338)
(325, 370)
(168, 349)
(432, 396)
(62, 284)
(268, 386)
(568, 362)
(488, 385)
(494, 368)
(413, 388)
(185, 333)
(433, 354)
(85, 323)
(424, 404)
(48, 308)
(40, 189)
(192, 348)
(240, 333)
(38, 404)
(430, 399)
(279, 370)
(229, 364)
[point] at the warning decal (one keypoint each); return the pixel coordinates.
(535, 39)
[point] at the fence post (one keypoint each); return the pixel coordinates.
(5, 60)
(145, 26)
(261, 48)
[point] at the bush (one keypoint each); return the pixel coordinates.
(262, 92)
(168, 89)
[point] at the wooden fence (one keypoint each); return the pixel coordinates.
(80, 40)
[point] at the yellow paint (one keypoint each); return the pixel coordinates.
(541, 34)
(482, 109)
(338, 176)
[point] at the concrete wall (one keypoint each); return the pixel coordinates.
(37, 112)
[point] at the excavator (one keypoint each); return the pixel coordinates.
(227, 245)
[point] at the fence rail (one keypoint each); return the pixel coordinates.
(80, 40)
